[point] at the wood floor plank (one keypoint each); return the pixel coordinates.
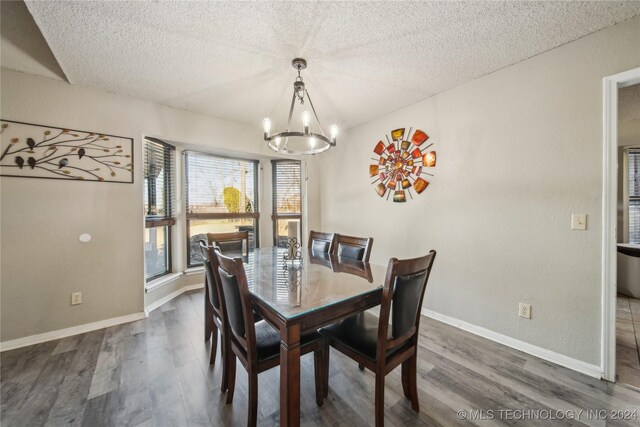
(156, 372)
(34, 410)
(107, 373)
(134, 395)
(20, 370)
(101, 410)
(71, 401)
(67, 344)
(193, 383)
(166, 398)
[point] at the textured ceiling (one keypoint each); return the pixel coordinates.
(232, 59)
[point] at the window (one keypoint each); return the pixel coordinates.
(287, 198)
(159, 177)
(221, 197)
(634, 195)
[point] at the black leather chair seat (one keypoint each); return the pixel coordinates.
(359, 333)
(268, 340)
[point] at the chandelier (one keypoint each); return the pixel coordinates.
(305, 142)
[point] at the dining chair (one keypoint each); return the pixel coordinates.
(380, 346)
(229, 242)
(213, 309)
(320, 242)
(256, 345)
(358, 248)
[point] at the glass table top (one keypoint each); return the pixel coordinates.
(295, 288)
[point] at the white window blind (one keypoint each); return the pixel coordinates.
(159, 179)
(159, 184)
(221, 197)
(286, 187)
(218, 185)
(634, 196)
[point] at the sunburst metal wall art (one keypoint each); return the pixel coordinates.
(401, 164)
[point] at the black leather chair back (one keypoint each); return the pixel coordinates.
(208, 271)
(351, 252)
(407, 296)
(233, 302)
(358, 248)
(402, 297)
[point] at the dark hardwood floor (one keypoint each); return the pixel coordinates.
(628, 340)
(156, 372)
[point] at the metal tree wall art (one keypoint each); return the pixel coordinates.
(34, 151)
(401, 164)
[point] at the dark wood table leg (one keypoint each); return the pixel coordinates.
(290, 376)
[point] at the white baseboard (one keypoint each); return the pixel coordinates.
(165, 299)
(548, 355)
(67, 332)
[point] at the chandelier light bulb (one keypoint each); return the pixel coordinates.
(278, 141)
(306, 119)
(334, 133)
(266, 125)
(312, 143)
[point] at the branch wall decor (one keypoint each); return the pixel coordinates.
(401, 163)
(35, 151)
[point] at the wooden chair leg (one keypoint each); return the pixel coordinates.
(325, 371)
(413, 382)
(231, 376)
(224, 346)
(405, 379)
(253, 400)
(361, 367)
(379, 410)
(214, 344)
(318, 360)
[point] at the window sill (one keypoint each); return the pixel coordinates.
(193, 271)
(161, 281)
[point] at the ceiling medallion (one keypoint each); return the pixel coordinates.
(401, 164)
(305, 142)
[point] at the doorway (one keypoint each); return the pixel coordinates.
(614, 234)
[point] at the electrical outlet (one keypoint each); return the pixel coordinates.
(76, 298)
(524, 310)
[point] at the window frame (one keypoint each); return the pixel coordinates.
(168, 220)
(275, 216)
(255, 215)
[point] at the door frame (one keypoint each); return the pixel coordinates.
(610, 86)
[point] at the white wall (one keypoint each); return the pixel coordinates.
(519, 150)
(42, 261)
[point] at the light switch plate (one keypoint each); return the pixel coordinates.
(578, 221)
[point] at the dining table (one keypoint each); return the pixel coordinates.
(300, 291)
